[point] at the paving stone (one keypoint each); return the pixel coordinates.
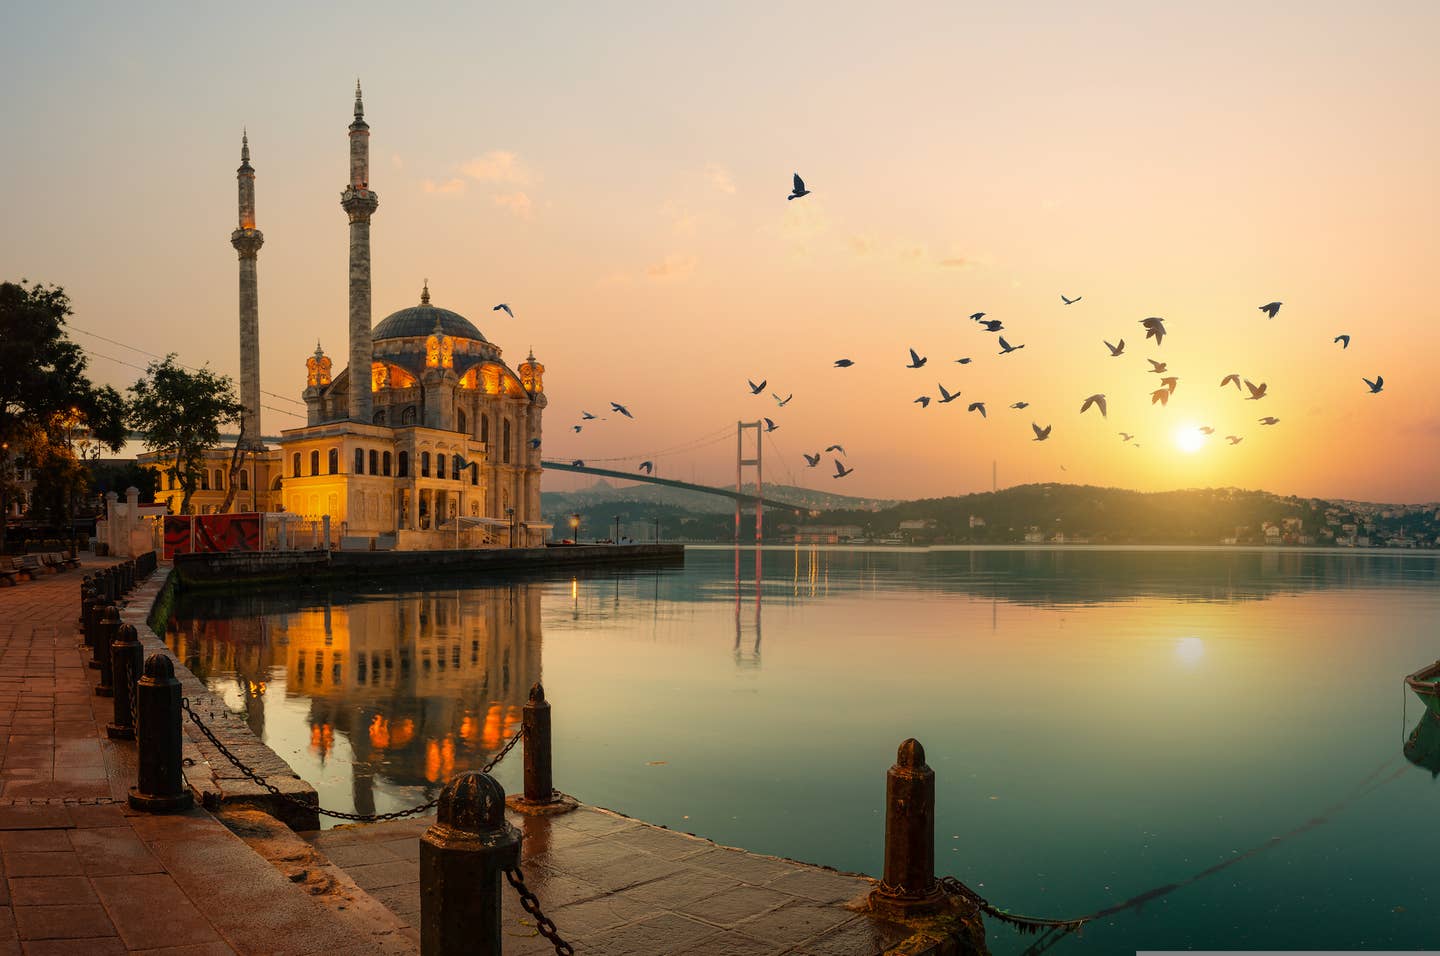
(733, 905)
(134, 902)
(50, 890)
(42, 864)
(863, 934)
(795, 922)
(738, 944)
(34, 841)
(822, 886)
(372, 876)
(110, 851)
(101, 946)
(666, 933)
(62, 922)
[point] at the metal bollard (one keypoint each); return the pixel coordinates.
(463, 857)
(109, 624)
(127, 576)
(85, 585)
(535, 721)
(160, 785)
(89, 600)
(908, 884)
(127, 659)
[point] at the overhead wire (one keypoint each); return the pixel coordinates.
(111, 358)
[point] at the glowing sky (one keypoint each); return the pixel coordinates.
(618, 174)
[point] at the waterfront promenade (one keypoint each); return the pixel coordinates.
(84, 873)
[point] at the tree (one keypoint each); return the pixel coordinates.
(46, 400)
(180, 413)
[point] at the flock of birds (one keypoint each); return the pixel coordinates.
(1154, 327)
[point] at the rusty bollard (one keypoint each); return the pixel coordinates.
(127, 659)
(908, 885)
(463, 858)
(160, 786)
(104, 637)
(535, 722)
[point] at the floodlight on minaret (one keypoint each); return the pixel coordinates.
(359, 203)
(247, 241)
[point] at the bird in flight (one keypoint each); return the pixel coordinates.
(770, 426)
(1376, 385)
(840, 470)
(917, 360)
(1157, 367)
(1115, 349)
(504, 307)
(945, 397)
(1205, 430)
(964, 361)
(1041, 433)
(811, 460)
(1232, 377)
(992, 325)
(617, 407)
(1234, 439)
(647, 466)
(978, 407)
(844, 363)
(1170, 381)
(1098, 401)
(577, 428)
(586, 416)
(577, 463)
(1070, 301)
(534, 443)
(782, 402)
(1125, 436)
(1154, 329)
(1006, 348)
(1257, 392)
(757, 389)
(1161, 395)
(799, 188)
(923, 401)
(1020, 405)
(1270, 308)
(978, 316)
(1344, 341)
(1269, 420)
(838, 448)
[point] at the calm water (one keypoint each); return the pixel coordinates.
(1101, 723)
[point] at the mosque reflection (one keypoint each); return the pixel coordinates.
(418, 687)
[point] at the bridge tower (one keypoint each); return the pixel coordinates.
(741, 463)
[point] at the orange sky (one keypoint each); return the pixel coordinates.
(620, 179)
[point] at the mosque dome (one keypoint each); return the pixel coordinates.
(418, 321)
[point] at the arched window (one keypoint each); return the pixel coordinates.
(275, 486)
(334, 461)
(402, 464)
(484, 427)
(407, 417)
(244, 480)
(359, 461)
(424, 464)
(315, 462)
(474, 473)
(374, 462)
(219, 479)
(385, 465)
(295, 464)
(440, 465)
(379, 418)
(505, 442)
(462, 424)
(204, 480)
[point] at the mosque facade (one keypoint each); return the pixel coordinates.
(427, 439)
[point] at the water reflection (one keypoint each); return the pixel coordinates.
(415, 688)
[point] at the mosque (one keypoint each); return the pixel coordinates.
(427, 439)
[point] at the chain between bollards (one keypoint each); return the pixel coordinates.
(530, 903)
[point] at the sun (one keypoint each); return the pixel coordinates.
(1189, 439)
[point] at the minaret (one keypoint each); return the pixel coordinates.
(359, 203)
(247, 241)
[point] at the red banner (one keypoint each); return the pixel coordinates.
(238, 532)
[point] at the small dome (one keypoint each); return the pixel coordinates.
(419, 321)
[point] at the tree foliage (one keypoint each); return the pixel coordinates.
(46, 400)
(180, 413)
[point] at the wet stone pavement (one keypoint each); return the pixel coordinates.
(614, 886)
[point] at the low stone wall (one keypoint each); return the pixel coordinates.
(214, 779)
(225, 569)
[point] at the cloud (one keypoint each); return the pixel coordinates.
(518, 203)
(498, 166)
(682, 220)
(955, 262)
(449, 186)
(719, 178)
(672, 267)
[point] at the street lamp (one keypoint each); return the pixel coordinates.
(510, 520)
(617, 529)
(575, 528)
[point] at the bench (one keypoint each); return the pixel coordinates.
(13, 571)
(32, 565)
